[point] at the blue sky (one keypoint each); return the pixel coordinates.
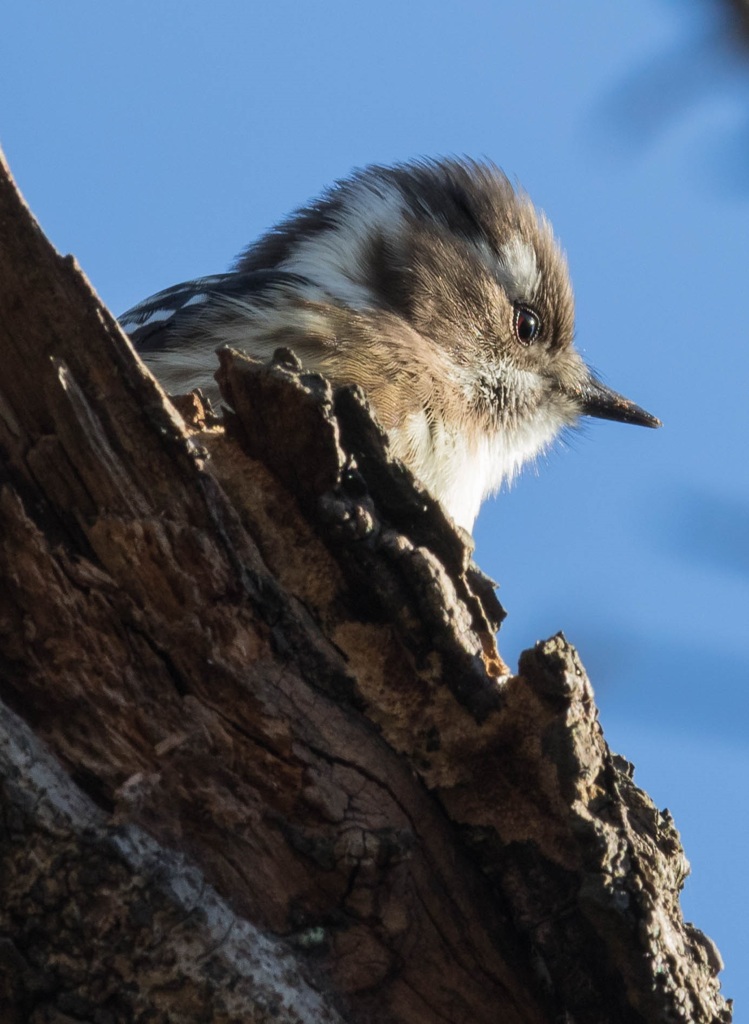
(155, 140)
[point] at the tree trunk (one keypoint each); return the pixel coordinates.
(261, 759)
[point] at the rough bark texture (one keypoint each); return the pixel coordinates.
(261, 759)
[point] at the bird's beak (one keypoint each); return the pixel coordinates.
(597, 400)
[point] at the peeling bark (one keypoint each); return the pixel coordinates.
(261, 758)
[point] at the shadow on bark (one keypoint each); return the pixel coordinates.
(261, 758)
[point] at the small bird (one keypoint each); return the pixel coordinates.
(437, 287)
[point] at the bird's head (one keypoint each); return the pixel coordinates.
(454, 250)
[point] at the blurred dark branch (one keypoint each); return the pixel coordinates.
(709, 62)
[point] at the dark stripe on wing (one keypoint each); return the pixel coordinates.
(152, 323)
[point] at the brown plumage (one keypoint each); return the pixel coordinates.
(438, 288)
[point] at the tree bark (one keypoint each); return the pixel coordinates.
(261, 758)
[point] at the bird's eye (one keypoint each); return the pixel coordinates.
(527, 325)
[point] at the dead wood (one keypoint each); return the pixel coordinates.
(261, 759)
